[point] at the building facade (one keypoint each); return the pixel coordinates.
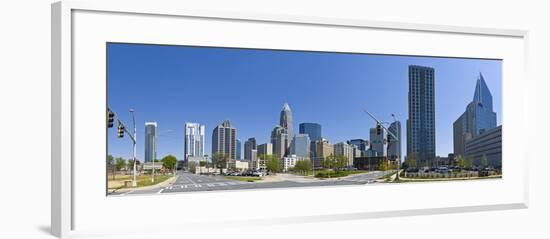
(476, 119)
(239, 146)
(313, 130)
(194, 140)
(150, 141)
(224, 140)
(360, 146)
(321, 149)
(285, 120)
(266, 149)
(280, 141)
(300, 146)
(421, 120)
(394, 146)
(249, 145)
(346, 150)
(487, 144)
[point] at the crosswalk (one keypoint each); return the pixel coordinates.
(201, 185)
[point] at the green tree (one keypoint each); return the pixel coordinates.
(272, 163)
(484, 161)
(202, 163)
(411, 161)
(110, 165)
(468, 162)
(169, 162)
(460, 162)
(119, 163)
(192, 166)
(219, 160)
(303, 166)
(340, 162)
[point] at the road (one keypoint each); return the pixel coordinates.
(188, 182)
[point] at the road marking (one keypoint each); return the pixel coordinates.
(160, 191)
(189, 179)
(198, 185)
(222, 184)
(210, 185)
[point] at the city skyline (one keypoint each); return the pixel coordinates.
(257, 120)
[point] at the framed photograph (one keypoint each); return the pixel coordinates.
(259, 118)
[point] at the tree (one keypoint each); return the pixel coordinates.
(202, 163)
(110, 165)
(484, 161)
(340, 162)
(272, 163)
(220, 160)
(192, 166)
(411, 161)
(383, 165)
(460, 161)
(119, 163)
(468, 162)
(169, 162)
(303, 166)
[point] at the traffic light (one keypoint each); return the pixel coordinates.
(110, 118)
(120, 130)
(378, 129)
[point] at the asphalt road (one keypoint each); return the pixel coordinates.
(188, 182)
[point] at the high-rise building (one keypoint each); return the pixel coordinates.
(300, 146)
(239, 149)
(194, 140)
(346, 150)
(285, 120)
(360, 146)
(249, 145)
(280, 141)
(224, 140)
(394, 147)
(421, 121)
(476, 119)
(266, 149)
(150, 141)
(313, 130)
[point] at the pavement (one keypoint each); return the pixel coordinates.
(188, 182)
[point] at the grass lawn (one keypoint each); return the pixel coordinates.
(243, 178)
(418, 180)
(337, 174)
(142, 180)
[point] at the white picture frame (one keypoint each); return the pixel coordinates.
(72, 213)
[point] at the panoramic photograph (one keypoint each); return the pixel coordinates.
(194, 118)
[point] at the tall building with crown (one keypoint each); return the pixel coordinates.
(478, 117)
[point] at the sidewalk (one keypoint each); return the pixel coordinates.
(159, 185)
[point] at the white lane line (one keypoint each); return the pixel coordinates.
(189, 179)
(198, 185)
(222, 184)
(160, 191)
(210, 185)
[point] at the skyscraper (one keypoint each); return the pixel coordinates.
(321, 149)
(150, 141)
(394, 147)
(194, 140)
(280, 141)
(476, 119)
(224, 140)
(239, 146)
(300, 146)
(313, 130)
(360, 146)
(265, 149)
(285, 120)
(421, 121)
(249, 145)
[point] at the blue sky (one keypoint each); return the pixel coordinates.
(176, 84)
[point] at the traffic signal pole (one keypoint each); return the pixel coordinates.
(380, 124)
(134, 182)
